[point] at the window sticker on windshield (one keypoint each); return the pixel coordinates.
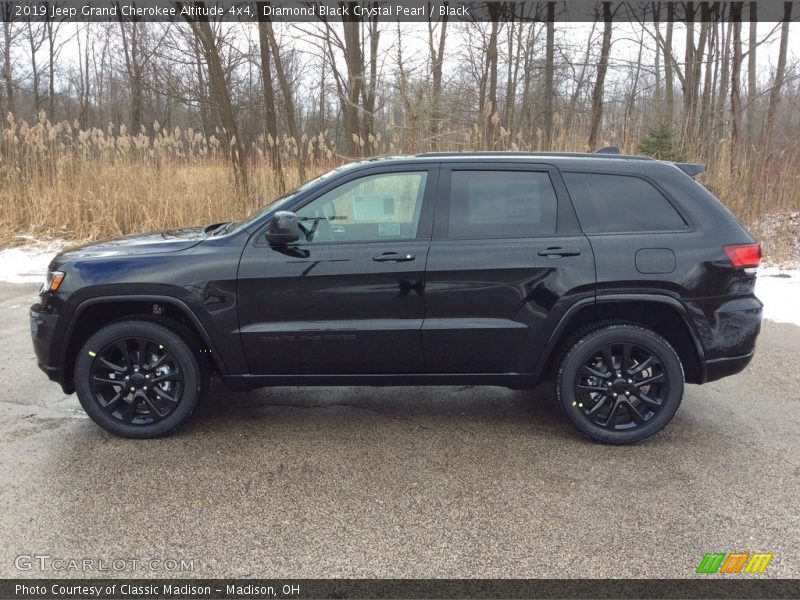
(373, 207)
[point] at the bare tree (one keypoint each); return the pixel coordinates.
(270, 117)
(736, 69)
(35, 35)
(132, 45)
(688, 69)
(668, 64)
(752, 92)
(221, 97)
(600, 78)
(9, 34)
(778, 80)
(491, 114)
(436, 50)
(549, 75)
(83, 81)
(369, 90)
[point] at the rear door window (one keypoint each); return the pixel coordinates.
(620, 204)
(495, 204)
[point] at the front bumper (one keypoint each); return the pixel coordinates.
(43, 326)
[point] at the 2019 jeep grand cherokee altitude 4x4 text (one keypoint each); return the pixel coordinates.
(619, 276)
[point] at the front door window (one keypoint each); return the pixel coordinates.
(379, 207)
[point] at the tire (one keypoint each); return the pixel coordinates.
(165, 379)
(633, 400)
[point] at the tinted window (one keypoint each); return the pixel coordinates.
(486, 204)
(617, 203)
(372, 208)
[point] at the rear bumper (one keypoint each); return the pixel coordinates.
(729, 336)
(723, 367)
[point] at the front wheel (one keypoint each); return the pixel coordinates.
(138, 379)
(620, 384)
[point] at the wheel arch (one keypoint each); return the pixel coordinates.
(663, 314)
(94, 313)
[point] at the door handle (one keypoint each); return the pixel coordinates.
(394, 257)
(558, 252)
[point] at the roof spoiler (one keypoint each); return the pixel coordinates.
(691, 169)
(607, 150)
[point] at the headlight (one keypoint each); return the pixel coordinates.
(52, 281)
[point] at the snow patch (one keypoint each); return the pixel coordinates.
(779, 290)
(27, 264)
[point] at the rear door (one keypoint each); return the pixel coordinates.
(506, 260)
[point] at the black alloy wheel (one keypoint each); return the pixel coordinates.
(136, 380)
(139, 378)
(620, 384)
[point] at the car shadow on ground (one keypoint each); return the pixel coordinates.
(427, 407)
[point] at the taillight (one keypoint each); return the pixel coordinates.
(744, 256)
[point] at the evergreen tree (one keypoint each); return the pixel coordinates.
(660, 144)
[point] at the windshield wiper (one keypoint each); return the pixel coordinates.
(222, 229)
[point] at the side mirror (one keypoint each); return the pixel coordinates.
(283, 228)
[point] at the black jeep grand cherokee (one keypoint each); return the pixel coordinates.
(618, 276)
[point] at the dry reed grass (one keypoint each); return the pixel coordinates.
(57, 181)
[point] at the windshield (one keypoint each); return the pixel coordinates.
(278, 202)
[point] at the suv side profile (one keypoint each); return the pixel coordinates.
(617, 276)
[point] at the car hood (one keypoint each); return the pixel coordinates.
(138, 244)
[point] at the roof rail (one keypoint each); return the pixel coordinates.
(481, 153)
(598, 154)
(607, 150)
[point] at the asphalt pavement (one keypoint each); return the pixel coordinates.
(396, 482)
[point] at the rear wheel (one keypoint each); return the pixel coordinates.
(620, 384)
(139, 379)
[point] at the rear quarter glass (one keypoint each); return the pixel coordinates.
(615, 203)
(706, 210)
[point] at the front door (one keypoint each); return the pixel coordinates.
(348, 297)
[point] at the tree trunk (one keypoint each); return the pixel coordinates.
(512, 71)
(708, 83)
(270, 117)
(51, 69)
(132, 52)
(437, 62)
(370, 89)
(627, 124)
(35, 40)
(657, 63)
(221, 97)
(688, 70)
(736, 101)
(668, 77)
(573, 101)
(602, 68)
(8, 78)
(751, 76)
(780, 76)
(355, 80)
(724, 81)
(491, 65)
(286, 92)
(549, 75)
(322, 98)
